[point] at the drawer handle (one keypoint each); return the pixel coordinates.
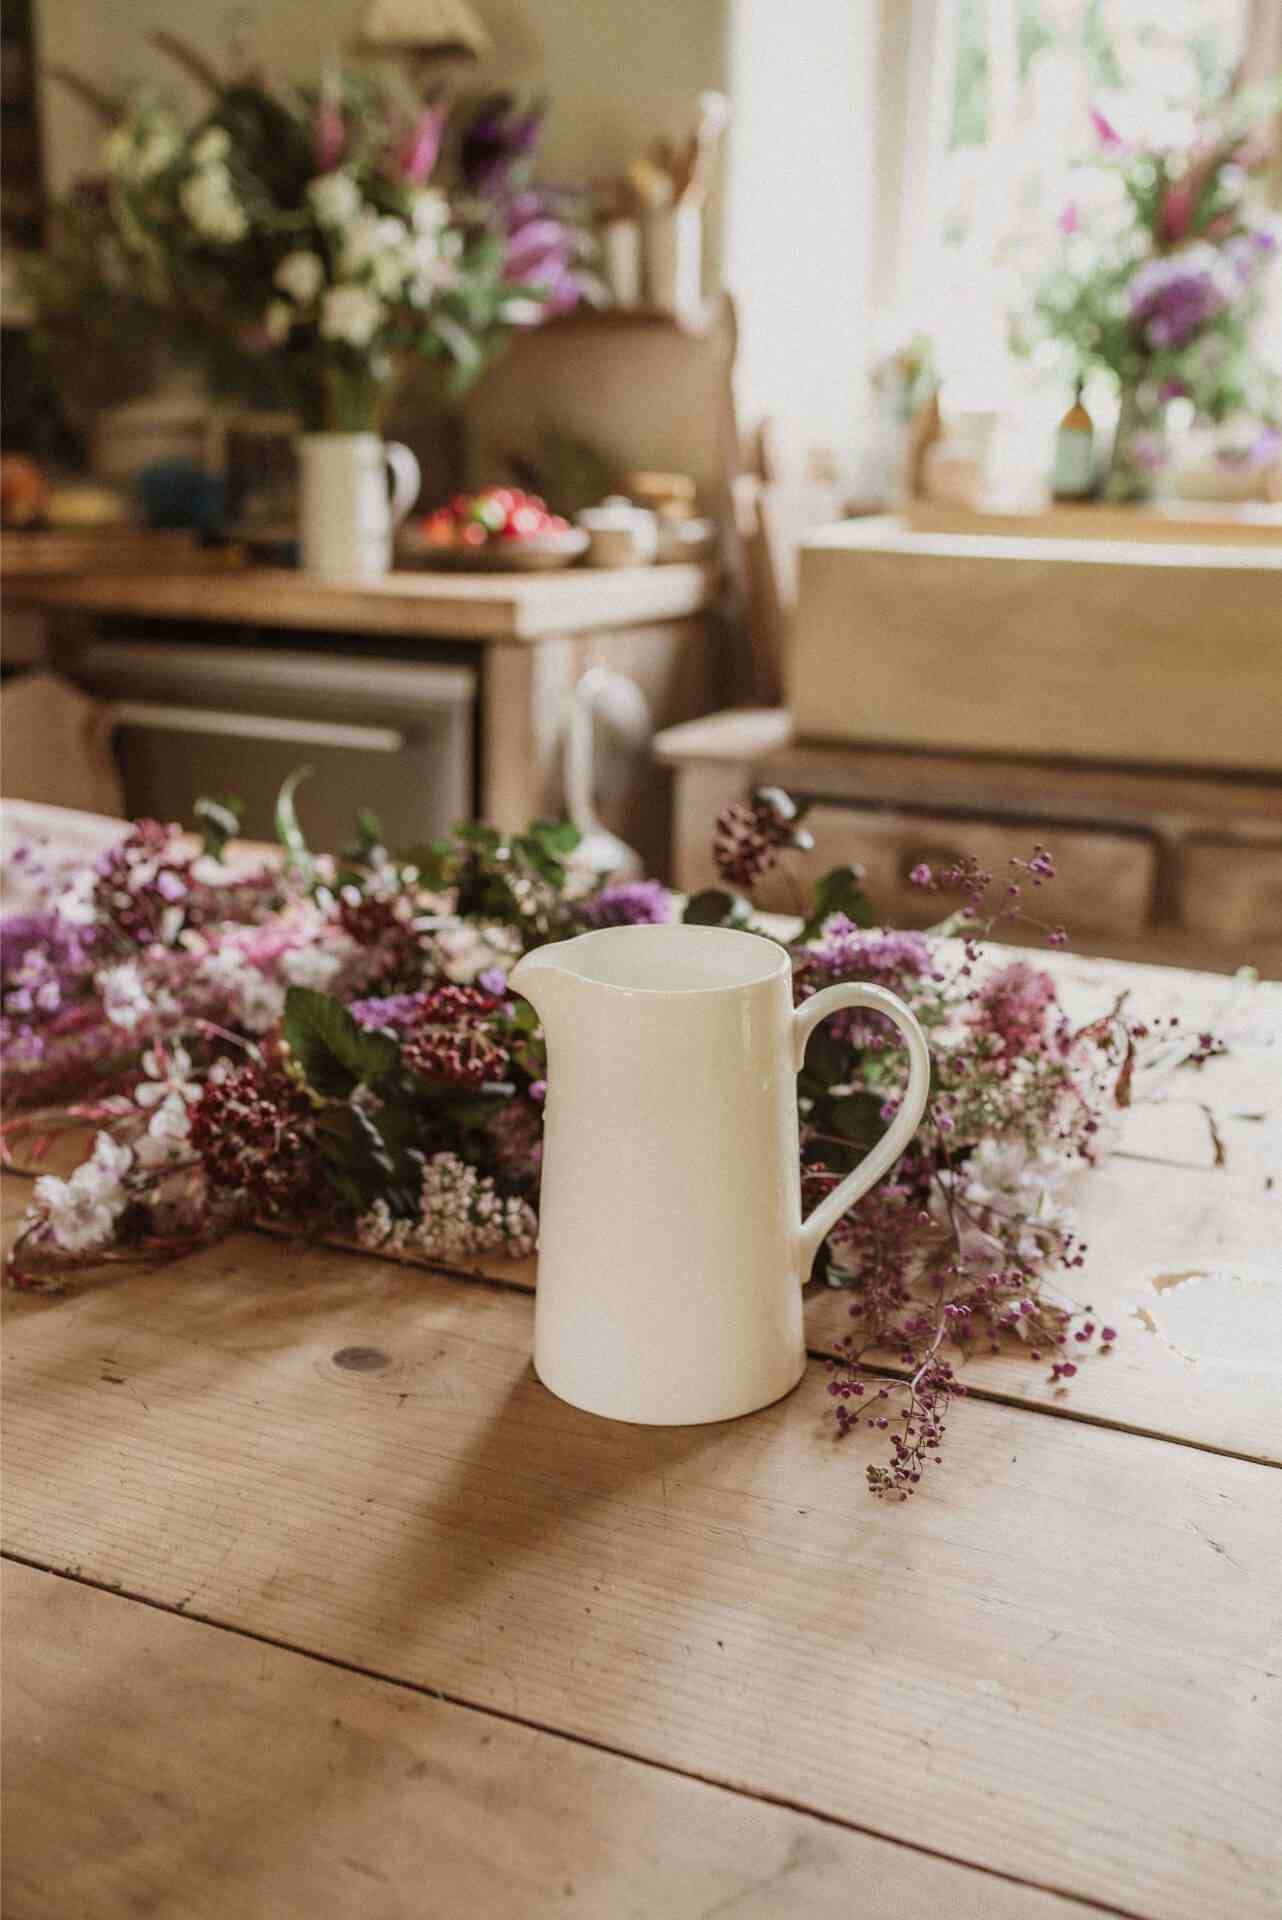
(254, 726)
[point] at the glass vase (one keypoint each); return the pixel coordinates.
(1141, 452)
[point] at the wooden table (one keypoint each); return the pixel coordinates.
(319, 1605)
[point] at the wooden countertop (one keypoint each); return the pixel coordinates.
(1122, 536)
(318, 1603)
(455, 606)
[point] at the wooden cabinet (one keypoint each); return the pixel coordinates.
(1105, 881)
(1176, 867)
(1134, 652)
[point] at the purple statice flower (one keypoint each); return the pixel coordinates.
(635, 903)
(848, 952)
(20, 932)
(1174, 297)
(392, 1010)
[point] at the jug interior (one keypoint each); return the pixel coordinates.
(675, 959)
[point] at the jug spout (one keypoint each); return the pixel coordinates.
(544, 978)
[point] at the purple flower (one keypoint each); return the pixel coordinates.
(1172, 298)
(1260, 452)
(848, 952)
(19, 932)
(493, 980)
(501, 134)
(1011, 1008)
(636, 903)
(1251, 252)
(1149, 451)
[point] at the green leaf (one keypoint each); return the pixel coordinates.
(475, 833)
(288, 831)
(713, 907)
(332, 1052)
(840, 890)
(557, 837)
(369, 837)
(221, 819)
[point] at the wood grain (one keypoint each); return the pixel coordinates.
(158, 1766)
(1057, 1664)
(449, 606)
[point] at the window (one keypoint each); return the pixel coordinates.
(1001, 97)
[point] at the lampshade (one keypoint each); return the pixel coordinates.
(425, 26)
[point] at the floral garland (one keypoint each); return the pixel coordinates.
(330, 1043)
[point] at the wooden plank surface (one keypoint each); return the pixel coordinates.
(1061, 1665)
(158, 1766)
(1246, 523)
(490, 606)
(1094, 648)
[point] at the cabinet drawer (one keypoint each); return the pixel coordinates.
(1105, 881)
(1231, 888)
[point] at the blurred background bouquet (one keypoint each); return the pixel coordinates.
(1164, 255)
(302, 245)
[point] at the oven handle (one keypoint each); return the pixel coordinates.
(253, 726)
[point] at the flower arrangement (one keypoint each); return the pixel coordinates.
(303, 245)
(331, 1043)
(1161, 276)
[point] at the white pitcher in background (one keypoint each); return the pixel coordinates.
(672, 1251)
(347, 518)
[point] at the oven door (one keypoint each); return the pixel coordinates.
(395, 738)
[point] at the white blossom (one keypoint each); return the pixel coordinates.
(125, 999)
(314, 966)
(209, 201)
(368, 238)
(83, 1210)
(300, 274)
(167, 1073)
(461, 1215)
(465, 950)
(353, 314)
(213, 145)
(255, 1002)
(168, 1131)
(429, 211)
(335, 198)
(277, 321)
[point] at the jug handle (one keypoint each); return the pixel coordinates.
(819, 1223)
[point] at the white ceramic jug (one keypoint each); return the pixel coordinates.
(346, 517)
(672, 1251)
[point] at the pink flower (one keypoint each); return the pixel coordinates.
(415, 154)
(1175, 215)
(1109, 138)
(1012, 1007)
(329, 134)
(1069, 220)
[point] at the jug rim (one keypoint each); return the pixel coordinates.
(759, 959)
